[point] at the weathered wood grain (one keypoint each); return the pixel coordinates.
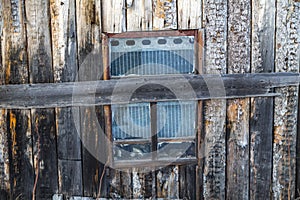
(70, 177)
(164, 14)
(261, 117)
(20, 154)
(114, 16)
(4, 157)
(285, 111)
(64, 45)
(239, 47)
(215, 23)
(115, 183)
(187, 180)
(45, 156)
(127, 181)
(152, 89)
(167, 182)
(189, 14)
(89, 28)
(15, 66)
(43, 120)
(4, 160)
(297, 194)
(139, 15)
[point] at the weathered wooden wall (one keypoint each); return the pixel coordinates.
(247, 148)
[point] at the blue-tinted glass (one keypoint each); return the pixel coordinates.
(176, 119)
(151, 63)
(176, 56)
(131, 121)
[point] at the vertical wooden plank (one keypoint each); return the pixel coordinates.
(45, 157)
(285, 112)
(4, 164)
(115, 183)
(15, 66)
(215, 18)
(4, 160)
(126, 184)
(43, 120)
(261, 117)
(88, 18)
(164, 14)
(64, 45)
(239, 47)
(139, 16)
(297, 195)
(167, 182)
(20, 154)
(70, 177)
(189, 14)
(187, 180)
(113, 16)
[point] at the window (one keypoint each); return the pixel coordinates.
(153, 131)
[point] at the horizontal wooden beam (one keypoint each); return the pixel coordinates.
(144, 89)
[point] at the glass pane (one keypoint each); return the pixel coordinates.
(151, 63)
(152, 56)
(131, 121)
(132, 151)
(176, 119)
(176, 150)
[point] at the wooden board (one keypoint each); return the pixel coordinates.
(91, 118)
(297, 195)
(43, 120)
(164, 14)
(239, 18)
(285, 111)
(139, 15)
(4, 160)
(187, 180)
(15, 66)
(189, 14)
(261, 117)
(70, 179)
(167, 182)
(4, 156)
(114, 16)
(215, 18)
(188, 87)
(64, 45)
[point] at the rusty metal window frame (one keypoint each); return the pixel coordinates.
(154, 141)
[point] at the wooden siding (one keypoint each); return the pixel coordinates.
(247, 148)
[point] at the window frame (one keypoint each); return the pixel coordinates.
(154, 161)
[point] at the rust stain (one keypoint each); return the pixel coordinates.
(253, 108)
(207, 123)
(278, 134)
(278, 46)
(232, 113)
(159, 9)
(96, 176)
(7, 72)
(12, 126)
